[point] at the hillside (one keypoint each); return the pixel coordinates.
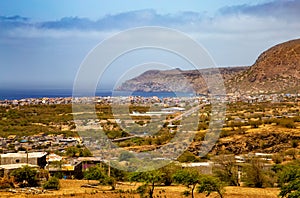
(276, 70)
(177, 80)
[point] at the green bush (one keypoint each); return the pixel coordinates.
(52, 183)
(285, 122)
(289, 181)
(94, 173)
(25, 176)
(187, 157)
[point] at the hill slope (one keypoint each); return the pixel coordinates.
(276, 70)
(177, 80)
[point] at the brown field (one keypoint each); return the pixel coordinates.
(72, 188)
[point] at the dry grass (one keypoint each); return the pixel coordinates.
(72, 188)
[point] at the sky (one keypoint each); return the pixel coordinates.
(43, 43)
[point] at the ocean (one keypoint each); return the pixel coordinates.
(17, 94)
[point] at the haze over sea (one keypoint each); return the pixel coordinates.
(17, 94)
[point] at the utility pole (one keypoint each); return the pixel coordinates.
(109, 159)
(27, 155)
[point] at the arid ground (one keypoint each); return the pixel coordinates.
(72, 188)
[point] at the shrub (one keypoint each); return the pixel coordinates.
(289, 181)
(277, 158)
(25, 176)
(187, 157)
(94, 173)
(288, 123)
(294, 143)
(6, 182)
(59, 175)
(108, 181)
(52, 183)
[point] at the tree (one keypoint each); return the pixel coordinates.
(289, 181)
(209, 184)
(149, 179)
(226, 169)
(98, 173)
(52, 183)
(25, 176)
(72, 151)
(168, 172)
(85, 153)
(94, 173)
(256, 175)
(188, 177)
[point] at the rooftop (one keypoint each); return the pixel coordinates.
(24, 154)
(196, 164)
(16, 166)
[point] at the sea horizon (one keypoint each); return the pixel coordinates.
(18, 94)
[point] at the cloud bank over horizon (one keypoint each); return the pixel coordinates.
(229, 19)
(234, 35)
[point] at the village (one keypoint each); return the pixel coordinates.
(43, 149)
(69, 156)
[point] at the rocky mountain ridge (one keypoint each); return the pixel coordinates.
(177, 80)
(277, 70)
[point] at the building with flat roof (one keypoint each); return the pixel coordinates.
(70, 170)
(34, 158)
(203, 167)
(5, 170)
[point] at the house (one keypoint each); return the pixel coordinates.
(88, 162)
(34, 158)
(5, 170)
(203, 167)
(70, 170)
(53, 158)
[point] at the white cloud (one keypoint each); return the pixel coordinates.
(235, 35)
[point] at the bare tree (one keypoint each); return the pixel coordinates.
(226, 169)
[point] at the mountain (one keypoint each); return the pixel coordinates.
(177, 80)
(277, 70)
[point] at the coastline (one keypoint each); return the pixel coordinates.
(20, 94)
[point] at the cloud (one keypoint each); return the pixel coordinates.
(235, 20)
(12, 26)
(280, 9)
(237, 34)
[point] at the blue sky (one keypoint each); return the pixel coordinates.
(95, 9)
(42, 43)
